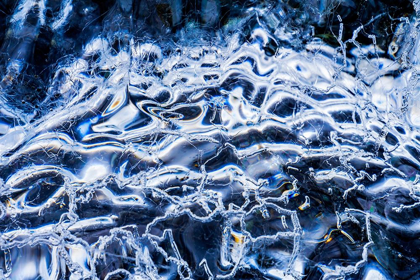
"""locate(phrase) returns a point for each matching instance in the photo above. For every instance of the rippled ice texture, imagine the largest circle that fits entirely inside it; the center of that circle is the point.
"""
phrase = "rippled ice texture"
(163, 140)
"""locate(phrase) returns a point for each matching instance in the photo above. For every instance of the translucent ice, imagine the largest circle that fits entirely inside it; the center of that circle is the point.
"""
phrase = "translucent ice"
(209, 140)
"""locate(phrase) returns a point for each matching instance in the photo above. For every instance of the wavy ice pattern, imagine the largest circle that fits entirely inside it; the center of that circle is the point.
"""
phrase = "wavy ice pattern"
(212, 159)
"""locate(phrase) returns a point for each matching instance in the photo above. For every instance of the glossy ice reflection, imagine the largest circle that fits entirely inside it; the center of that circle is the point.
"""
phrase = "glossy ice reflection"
(236, 157)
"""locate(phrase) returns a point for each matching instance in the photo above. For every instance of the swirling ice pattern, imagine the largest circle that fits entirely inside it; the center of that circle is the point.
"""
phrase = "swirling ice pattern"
(215, 162)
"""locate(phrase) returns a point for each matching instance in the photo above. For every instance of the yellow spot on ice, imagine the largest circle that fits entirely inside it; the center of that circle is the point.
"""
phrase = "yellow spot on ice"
(238, 238)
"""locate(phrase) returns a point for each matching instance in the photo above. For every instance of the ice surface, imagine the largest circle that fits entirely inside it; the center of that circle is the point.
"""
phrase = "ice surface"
(209, 139)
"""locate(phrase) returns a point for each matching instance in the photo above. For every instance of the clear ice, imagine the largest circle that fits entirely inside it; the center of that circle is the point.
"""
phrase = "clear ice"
(209, 139)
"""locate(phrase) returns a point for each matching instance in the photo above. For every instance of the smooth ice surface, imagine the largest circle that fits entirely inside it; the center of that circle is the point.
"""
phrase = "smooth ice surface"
(209, 140)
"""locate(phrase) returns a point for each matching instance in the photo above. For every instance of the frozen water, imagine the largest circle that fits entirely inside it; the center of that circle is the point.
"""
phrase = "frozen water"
(209, 140)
